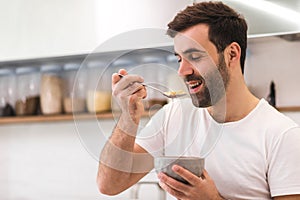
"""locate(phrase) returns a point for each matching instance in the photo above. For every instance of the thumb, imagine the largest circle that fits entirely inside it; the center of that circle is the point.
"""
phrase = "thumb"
(205, 175)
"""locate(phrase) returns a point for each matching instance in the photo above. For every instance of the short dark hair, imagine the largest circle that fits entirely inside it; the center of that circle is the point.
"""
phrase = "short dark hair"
(225, 25)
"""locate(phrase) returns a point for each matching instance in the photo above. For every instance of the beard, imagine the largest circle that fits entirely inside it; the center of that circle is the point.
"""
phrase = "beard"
(214, 84)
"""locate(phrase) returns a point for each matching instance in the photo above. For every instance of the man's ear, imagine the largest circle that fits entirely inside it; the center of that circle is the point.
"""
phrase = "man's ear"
(234, 52)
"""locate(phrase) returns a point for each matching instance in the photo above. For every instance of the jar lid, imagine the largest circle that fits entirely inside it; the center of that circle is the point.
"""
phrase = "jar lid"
(6, 71)
(25, 70)
(153, 59)
(71, 66)
(96, 63)
(51, 67)
(123, 63)
(172, 58)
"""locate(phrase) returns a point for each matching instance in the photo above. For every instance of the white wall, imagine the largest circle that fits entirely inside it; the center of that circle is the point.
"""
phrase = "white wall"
(272, 58)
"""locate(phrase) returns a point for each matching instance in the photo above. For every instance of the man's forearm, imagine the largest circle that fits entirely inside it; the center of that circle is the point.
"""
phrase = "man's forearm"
(118, 151)
(117, 158)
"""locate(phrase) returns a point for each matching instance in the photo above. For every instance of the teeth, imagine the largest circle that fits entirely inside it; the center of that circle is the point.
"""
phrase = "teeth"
(194, 84)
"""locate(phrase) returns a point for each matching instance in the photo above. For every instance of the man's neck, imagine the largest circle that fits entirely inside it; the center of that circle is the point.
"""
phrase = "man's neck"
(236, 105)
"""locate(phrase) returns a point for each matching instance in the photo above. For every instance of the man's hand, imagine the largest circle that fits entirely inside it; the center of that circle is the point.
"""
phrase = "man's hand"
(198, 187)
(128, 93)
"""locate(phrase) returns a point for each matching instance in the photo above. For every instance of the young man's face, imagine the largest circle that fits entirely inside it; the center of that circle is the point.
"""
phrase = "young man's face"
(203, 69)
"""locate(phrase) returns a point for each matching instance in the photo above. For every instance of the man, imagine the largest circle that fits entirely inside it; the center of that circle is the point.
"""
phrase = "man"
(251, 150)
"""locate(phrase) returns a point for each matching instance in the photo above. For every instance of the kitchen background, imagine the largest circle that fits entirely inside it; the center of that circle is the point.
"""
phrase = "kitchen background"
(48, 158)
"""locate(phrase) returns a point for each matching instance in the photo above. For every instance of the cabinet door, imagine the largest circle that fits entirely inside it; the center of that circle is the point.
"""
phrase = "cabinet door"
(117, 21)
(34, 28)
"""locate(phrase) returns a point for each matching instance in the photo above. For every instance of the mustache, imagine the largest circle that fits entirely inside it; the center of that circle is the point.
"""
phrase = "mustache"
(193, 77)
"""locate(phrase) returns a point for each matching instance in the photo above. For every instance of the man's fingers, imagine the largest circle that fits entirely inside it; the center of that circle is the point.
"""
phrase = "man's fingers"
(171, 191)
(205, 175)
(127, 81)
(115, 78)
(126, 85)
(172, 183)
(123, 72)
(141, 93)
(187, 175)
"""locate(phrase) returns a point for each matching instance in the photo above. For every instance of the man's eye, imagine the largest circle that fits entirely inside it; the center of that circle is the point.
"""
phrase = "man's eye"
(195, 56)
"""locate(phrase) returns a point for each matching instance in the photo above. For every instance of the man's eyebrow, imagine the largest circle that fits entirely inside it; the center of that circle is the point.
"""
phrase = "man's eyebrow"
(193, 50)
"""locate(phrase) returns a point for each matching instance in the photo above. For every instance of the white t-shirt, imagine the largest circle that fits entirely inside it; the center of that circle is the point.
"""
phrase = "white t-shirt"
(256, 157)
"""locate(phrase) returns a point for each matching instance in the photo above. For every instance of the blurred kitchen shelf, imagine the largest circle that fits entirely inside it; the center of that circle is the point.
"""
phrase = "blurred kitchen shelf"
(52, 118)
(88, 116)
(64, 117)
(289, 109)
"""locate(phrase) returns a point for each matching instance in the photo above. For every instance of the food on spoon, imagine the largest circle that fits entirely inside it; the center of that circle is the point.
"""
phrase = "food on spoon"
(175, 93)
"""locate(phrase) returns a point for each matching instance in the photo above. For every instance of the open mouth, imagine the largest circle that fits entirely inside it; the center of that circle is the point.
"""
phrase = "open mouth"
(194, 86)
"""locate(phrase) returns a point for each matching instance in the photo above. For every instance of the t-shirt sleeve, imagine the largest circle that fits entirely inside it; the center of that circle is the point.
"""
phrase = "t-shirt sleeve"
(284, 170)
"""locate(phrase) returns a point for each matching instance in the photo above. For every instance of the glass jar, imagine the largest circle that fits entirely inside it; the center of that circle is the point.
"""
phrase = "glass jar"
(7, 92)
(122, 64)
(28, 83)
(99, 87)
(74, 88)
(51, 89)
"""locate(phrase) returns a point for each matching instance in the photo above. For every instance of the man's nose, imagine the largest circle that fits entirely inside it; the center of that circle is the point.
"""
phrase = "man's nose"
(185, 68)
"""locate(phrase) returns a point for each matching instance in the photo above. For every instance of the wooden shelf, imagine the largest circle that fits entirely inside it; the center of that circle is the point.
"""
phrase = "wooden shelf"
(64, 117)
(88, 116)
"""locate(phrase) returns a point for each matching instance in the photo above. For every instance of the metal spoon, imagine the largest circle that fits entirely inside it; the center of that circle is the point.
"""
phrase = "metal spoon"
(169, 94)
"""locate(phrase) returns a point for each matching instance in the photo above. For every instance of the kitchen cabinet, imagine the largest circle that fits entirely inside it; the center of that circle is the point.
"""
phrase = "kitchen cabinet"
(37, 29)
(33, 29)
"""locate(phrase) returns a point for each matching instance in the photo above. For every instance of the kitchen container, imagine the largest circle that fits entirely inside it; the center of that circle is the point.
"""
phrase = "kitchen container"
(7, 92)
(28, 83)
(51, 89)
(99, 86)
(74, 88)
